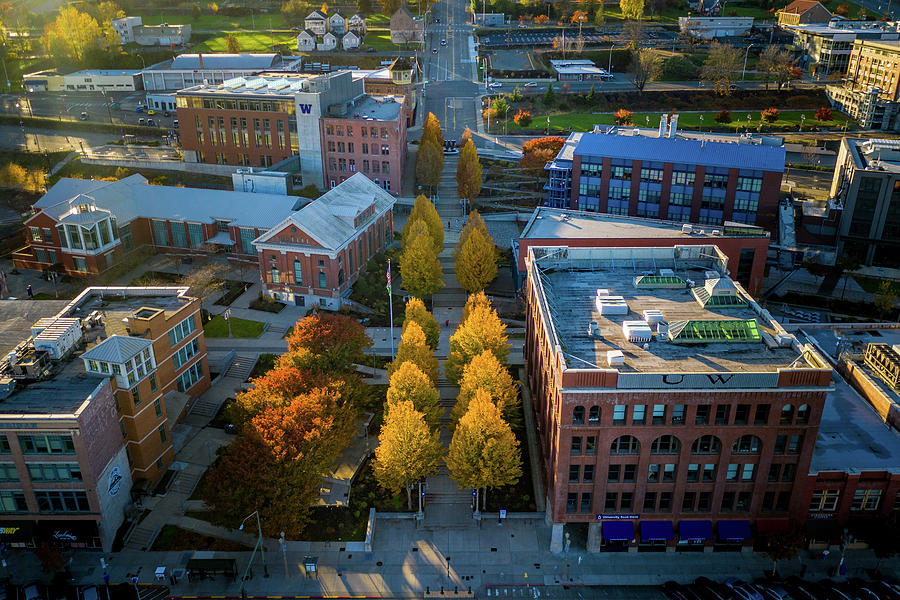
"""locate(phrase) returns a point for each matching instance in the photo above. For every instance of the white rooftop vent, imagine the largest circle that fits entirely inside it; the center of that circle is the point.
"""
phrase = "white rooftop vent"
(785, 339)
(615, 358)
(612, 305)
(720, 286)
(711, 275)
(279, 84)
(602, 292)
(256, 84)
(687, 228)
(653, 316)
(667, 273)
(592, 329)
(717, 232)
(637, 331)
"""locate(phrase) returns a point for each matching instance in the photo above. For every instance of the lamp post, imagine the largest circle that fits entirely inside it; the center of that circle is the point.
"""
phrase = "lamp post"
(505, 120)
(802, 119)
(701, 123)
(284, 555)
(259, 544)
(746, 54)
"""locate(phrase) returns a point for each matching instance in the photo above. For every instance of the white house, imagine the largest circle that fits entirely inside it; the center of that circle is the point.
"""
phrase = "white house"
(357, 24)
(316, 22)
(350, 41)
(306, 41)
(124, 27)
(329, 42)
(337, 24)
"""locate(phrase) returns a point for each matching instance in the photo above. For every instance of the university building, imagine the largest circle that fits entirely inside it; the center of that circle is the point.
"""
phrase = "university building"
(674, 413)
(869, 92)
(669, 174)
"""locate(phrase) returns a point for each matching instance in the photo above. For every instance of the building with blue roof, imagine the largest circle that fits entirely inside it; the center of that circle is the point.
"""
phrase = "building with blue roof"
(669, 174)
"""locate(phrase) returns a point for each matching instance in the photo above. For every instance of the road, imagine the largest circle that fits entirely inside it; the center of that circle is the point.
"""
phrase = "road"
(70, 105)
(47, 140)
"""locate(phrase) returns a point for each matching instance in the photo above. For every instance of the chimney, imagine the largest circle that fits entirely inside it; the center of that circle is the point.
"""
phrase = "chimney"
(673, 125)
(662, 126)
(200, 55)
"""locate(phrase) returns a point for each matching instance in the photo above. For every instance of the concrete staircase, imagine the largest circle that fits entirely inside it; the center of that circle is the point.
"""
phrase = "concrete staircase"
(241, 366)
(205, 407)
(186, 480)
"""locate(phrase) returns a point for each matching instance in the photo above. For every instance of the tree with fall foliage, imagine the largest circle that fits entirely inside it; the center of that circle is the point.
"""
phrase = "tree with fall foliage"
(472, 223)
(770, 115)
(478, 299)
(522, 118)
(775, 64)
(432, 132)
(485, 372)
(429, 163)
(72, 35)
(632, 9)
(481, 330)
(720, 67)
(414, 348)
(824, 115)
(408, 449)
(339, 340)
(418, 314)
(623, 116)
(476, 261)
(646, 64)
(538, 152)
(232, 44)
(468, 172)
(424, 210)
(483, 453)
(419, 267)
(409, 383)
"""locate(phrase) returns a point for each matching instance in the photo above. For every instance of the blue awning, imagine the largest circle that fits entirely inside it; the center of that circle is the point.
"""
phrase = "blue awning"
(734, 531)
(656, 530)
(618, 531)
(694, 530)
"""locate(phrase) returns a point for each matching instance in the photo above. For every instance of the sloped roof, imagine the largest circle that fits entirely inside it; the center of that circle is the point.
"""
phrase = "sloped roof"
(117, 349)
(800, 6)
(308, 33)
(329, 219)
(225, 61)
(133, 197)
(336, 14)
(357, 16)
(316, 15)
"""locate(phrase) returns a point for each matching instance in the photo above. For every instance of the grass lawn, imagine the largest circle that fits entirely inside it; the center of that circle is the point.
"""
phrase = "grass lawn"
(787, 119)
(172, 537)
(250, 41)
(854, 8)
(218, 22)
(240, 328)
(31, 160)
(264, 364)
(379, 19)
(380, 39)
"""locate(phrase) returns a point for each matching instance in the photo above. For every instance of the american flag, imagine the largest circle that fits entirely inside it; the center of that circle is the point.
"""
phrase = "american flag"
(389, 277)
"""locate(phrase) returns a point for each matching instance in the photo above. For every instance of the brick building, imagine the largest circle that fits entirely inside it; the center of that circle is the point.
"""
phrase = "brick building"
(803, 12)
(89, 226)
(314, 256)
(673, 412)
(669, 174)
(89, 401)
(367, 136)
(746, 246)
(394, 80)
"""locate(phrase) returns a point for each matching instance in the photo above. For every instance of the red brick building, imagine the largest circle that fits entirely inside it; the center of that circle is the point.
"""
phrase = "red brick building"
(314, 256)
(89, 226)
(745, 246)
(368, 137)
(673, 412)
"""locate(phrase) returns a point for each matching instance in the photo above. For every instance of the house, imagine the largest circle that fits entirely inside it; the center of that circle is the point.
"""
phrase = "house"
(132, 30)
(803, 12)
(306, 41)
(578, 70)
(316, 22)
(710, 28)
(350, 41)
(357, 24)
(329, 42)
(337, 24)
(405, 28)
(314, 256)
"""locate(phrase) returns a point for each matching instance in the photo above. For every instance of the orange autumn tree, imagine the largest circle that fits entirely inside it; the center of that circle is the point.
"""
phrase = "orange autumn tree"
(339, 340)
(538, 152)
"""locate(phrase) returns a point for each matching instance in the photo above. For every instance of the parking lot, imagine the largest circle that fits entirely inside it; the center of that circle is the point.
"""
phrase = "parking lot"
(518, 38)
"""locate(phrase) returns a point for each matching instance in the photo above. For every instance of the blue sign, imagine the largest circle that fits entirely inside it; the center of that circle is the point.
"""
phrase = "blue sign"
(618, 517)
(305, 108)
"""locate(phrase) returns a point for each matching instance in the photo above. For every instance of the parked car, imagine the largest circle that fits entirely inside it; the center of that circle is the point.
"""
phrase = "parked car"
(370, 49)
(139, 109)
(833, 592)
(710, 590)
(772, 590)
(83, 116)
(521, 25)
(676, 591)
(531, 84)
(867, 590)
(151, 123)
(495, 84)
(443, 42)
(434, 50)
(151, 112)
(142, 121)
(167, 114)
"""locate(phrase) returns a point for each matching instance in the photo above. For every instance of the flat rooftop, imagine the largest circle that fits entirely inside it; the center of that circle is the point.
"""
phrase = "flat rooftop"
(375, 108)
(570, 278)
(108, 72)
(556, 223)
(62, 394)
(875, 154)
(281, 85)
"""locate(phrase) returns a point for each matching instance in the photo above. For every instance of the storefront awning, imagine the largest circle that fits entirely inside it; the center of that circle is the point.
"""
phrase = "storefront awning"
(734, 531)
(694, 530)
(618, 531)
(656, 530)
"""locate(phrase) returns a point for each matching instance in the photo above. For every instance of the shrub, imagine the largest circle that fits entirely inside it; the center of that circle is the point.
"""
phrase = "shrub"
(623, 116)
(489, 113)
(723, 117)
(522, 118)
(824, 114)
(842, 10)
(770, 115)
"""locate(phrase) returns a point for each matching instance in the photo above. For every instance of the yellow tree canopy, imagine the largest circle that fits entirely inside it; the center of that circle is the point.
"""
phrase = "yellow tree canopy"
(409, 383)
(485, 373)
(414, 348)
(419, 267)
(476, 261)
(417, 313)
(481, 331)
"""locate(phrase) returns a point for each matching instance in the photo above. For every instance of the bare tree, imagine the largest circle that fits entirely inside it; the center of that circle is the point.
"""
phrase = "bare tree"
(206, 280)
(774, 63)
(720, 67)
(647, 66)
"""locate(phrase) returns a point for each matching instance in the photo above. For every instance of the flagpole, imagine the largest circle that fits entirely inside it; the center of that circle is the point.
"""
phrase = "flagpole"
(390, 308)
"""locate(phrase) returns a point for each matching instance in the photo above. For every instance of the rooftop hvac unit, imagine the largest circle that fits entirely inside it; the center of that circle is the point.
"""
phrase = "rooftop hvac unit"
(717, 232)
(667, 273)
(602, 292)
(711, 275)
(7, 386)
(687, 228)
(662, 331)
(615, 358)
(637, 331)
(57, 336)
(653, 316)
(612, 305)
(592, 329)
(784, 339)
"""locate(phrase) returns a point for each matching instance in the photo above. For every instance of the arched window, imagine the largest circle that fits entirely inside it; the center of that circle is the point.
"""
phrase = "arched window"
(707, 444)
(803, 414)
(665, 444)
(341, 277)
(747, 444)
(625, 444)
(594, 415)
(787, 414)
(578, 415)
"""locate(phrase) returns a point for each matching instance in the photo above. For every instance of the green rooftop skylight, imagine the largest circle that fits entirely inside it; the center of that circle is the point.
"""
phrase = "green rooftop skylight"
(659, 281)
(708, 332)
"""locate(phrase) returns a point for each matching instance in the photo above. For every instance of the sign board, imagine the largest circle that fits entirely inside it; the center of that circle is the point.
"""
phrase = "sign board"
(616, 517)
(114, 481)
(692, 381)
(502, 513)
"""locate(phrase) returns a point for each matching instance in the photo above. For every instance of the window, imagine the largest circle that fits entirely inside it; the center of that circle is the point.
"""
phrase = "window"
(653, 474)
(594, 415)
(795, 444)
(774, 472)
(191, 375)
(665, 501)
(572, 502)
(54, 471)
(787, 414)
(298, 271)
(665, 444)
(162, 434)
(702, 417)
(613, 473)
(704, 502)
(8, 472)
(742, 414)
(688, 501)
(743, 501)
(323, 280)
(136, 396)
(784, 499)
(574, 473)
(157, 407)
(659, 414)
(747, 472)
(746, 444)
(867, 500)
(732, 473)
(722, 413)
(35, 233)
(153, 385)
(678, 414)
(590, 445)
(803, 414)
(47, 444)
(12, 501)
(80, 264)
(576, 446)
(788, 473)
(780, 444)
(707, 444)
(586, 501)
(612, 500)
(588, 474)
(762, 414)
(629, 475)
(638, 414)
(182, 330)
(824, 500)
(619, 414)
(62, 501)
(650, 502)
(668, 473)
(728, 502)
(625, 444)
(627, 501)
(186, 353)
(693, 473)
(768, 502)
(578, 415)
(709, 472)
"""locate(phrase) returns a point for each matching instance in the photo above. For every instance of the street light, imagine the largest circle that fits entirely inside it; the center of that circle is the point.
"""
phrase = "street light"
(505, 121)
(259, 544)
(746, 54)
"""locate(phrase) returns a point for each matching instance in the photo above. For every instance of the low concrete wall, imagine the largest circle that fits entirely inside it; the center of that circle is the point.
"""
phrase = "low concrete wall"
(164, 165)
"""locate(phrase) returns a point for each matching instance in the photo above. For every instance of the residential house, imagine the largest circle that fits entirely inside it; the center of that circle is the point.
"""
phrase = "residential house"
(306, 41)
(316, 22)
(357, 24)
(405, 28)
(337, 24)
(350, 41)
(803, 12)
(329, 42)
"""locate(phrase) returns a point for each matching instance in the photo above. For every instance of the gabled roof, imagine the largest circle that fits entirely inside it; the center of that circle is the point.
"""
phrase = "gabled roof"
(801, 6)
(117, 349)
(308, 33)
(336, 14)
(349, 33)
(329, 219)
(315, 15)
(357, 17)
(329, 33)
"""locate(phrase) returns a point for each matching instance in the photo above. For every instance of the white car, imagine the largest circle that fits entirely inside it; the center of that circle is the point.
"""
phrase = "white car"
(531, 84)
(495, 84)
